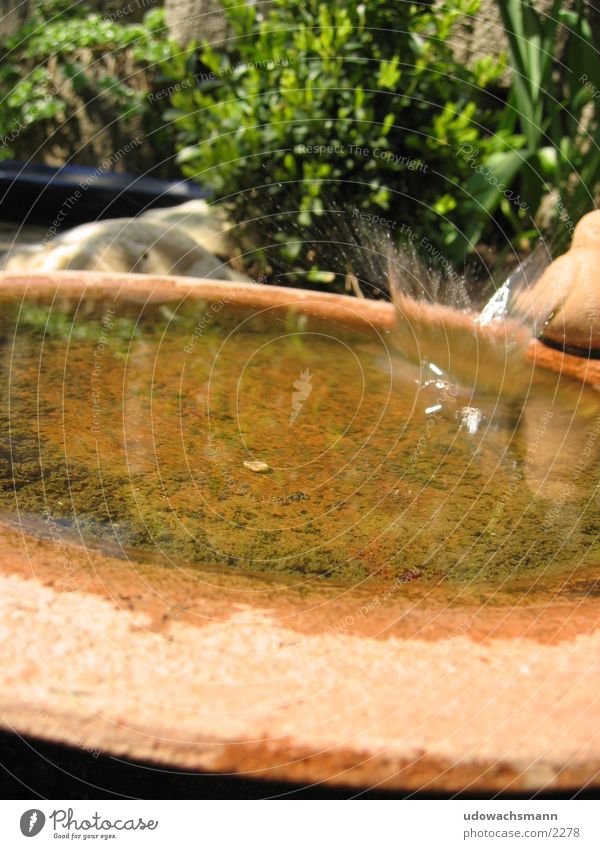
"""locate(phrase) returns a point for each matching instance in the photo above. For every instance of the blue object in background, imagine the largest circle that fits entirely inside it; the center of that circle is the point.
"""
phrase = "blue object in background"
(33, 194)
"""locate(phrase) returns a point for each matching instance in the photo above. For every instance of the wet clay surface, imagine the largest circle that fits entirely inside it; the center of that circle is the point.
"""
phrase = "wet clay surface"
(546, 612)
(200, 435)
(430, 623)
(461, 698)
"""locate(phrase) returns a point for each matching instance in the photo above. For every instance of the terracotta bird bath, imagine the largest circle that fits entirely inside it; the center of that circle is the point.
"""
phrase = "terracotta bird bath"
(163, 601)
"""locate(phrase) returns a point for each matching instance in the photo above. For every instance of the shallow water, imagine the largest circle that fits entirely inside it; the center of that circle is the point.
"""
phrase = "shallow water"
(128, 427)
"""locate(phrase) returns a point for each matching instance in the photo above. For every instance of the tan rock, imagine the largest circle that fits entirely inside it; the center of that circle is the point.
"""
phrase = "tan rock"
(564, 304)
(587, 232)
(256, 465)
(206, 224)
(139, 245)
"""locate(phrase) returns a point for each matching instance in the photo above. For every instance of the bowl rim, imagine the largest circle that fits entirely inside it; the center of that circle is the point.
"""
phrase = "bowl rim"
(363, 313)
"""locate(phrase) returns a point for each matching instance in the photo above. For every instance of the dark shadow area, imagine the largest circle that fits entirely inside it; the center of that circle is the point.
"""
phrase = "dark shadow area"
(34, 769)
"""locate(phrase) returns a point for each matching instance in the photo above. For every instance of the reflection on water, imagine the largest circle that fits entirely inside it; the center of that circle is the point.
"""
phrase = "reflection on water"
(130, 427)
(479, 347)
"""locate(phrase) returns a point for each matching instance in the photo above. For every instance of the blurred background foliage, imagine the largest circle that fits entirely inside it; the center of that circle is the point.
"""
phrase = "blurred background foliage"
(344, 78)
(76, 87)
(309, 111)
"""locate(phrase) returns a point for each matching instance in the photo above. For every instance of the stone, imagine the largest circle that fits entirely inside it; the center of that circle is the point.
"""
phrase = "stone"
(587, 232)
(564, 304)
(256, 465)
(144, 245)
(205, 223)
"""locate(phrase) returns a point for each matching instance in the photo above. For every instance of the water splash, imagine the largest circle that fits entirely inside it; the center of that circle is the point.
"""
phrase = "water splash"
(466, 337)
(480, 351)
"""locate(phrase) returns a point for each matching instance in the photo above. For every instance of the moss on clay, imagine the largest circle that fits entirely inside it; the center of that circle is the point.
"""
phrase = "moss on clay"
(129, 426)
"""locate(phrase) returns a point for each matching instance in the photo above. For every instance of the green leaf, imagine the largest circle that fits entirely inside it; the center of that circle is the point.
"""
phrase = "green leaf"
(316, 276)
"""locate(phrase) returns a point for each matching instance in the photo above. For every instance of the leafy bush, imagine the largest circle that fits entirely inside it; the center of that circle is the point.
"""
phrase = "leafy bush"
(74, 79)
(554, 107)
(373, 88)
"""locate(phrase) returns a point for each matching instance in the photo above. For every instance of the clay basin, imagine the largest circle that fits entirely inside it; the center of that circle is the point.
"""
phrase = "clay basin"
(239, 536)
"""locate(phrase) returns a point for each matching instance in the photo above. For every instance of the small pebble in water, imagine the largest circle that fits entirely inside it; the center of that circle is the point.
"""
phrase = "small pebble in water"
(256, 465)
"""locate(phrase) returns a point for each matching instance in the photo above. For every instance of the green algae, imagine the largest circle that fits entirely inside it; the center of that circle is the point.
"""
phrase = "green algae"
(127, 426)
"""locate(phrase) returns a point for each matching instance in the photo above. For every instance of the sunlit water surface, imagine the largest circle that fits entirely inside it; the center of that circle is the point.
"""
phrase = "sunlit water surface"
(128, 427)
